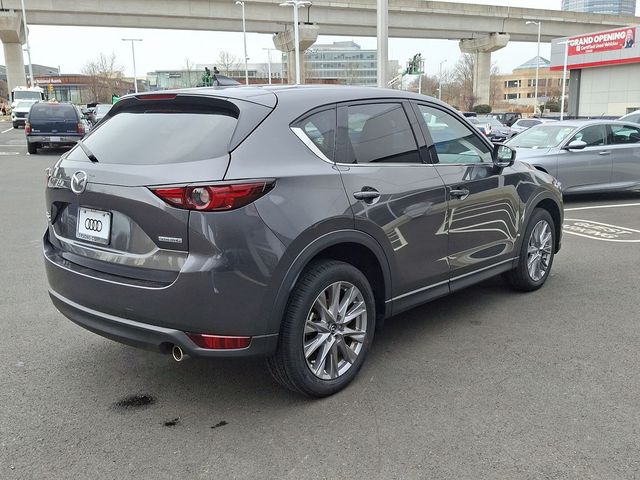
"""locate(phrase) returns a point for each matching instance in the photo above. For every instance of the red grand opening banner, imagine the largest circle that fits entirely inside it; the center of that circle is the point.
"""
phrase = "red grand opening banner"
(603, 41)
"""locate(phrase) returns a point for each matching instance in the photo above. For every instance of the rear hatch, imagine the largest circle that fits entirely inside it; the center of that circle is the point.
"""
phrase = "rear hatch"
(104, 215)
(53, 118)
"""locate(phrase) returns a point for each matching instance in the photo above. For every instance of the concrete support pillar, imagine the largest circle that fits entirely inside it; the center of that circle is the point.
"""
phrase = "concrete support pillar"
(15, 65)
(481, 48)
(12, 37)
(284, 41)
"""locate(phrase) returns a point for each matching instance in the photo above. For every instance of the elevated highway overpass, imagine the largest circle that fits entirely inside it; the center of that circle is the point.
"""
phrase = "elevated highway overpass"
(407, 19)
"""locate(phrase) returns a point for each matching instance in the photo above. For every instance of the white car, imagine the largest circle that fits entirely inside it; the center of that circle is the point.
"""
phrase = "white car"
(525, 123)
(20, 112)
(631, 117)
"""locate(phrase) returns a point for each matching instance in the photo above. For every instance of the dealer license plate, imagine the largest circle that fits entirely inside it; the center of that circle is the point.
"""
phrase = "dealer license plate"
(93, 225)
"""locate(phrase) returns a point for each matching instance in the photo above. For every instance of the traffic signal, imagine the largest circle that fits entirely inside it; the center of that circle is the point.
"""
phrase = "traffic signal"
(50, 88)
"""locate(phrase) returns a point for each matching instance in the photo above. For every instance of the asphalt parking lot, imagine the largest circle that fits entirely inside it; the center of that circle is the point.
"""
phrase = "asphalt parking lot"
(483, 384)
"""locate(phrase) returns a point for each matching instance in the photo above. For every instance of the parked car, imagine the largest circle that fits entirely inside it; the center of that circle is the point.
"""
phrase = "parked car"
(631, 117)
(482, 126)
(498, 132)
(585, 156)
(20, 112)
(507, 118)
(99, 112)
(54, 124)
(285, 222)
(525, 123)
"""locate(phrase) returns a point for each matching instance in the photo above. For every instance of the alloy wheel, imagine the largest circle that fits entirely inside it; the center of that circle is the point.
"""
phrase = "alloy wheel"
(539, 250)
(335, 330)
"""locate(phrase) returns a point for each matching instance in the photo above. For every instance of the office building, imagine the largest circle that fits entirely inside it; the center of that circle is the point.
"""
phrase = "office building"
(614, 7)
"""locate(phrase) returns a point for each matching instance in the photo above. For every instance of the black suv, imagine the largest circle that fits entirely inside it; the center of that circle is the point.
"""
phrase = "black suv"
(286, 222)
(54, 124)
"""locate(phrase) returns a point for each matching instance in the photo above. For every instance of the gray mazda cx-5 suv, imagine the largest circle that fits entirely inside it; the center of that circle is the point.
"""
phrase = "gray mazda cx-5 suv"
(285, 222)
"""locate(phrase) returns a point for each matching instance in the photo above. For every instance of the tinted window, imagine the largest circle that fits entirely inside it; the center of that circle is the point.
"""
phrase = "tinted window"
(53, 113)
(454, 141)
(593, 136)
(621, 134)
(528, 123)
(320, 127)
(379, 132)
(157, 137)
(541, 136)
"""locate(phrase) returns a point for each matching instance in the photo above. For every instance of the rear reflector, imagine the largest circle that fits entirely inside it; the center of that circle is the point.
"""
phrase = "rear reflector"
(213, 198)
(218, 342)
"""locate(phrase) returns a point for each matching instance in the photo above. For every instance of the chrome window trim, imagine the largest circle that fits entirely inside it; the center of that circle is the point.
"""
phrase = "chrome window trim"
(300, 133)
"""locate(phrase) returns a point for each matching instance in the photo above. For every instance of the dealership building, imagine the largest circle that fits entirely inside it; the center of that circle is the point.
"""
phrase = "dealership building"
(604, 71)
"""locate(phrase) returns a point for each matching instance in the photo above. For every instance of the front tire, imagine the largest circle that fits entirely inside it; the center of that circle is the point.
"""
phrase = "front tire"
(536, 253)
(327, 330)
(32, 148)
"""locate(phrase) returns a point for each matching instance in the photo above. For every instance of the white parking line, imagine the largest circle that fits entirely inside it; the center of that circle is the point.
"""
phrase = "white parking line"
(7, 130)
(603, 206)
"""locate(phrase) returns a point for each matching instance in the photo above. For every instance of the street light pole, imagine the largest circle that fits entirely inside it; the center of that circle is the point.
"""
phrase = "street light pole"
(537, 61)
(269, 61)
(26, 34)
(244, 34)
(440, 80)
(564, 77)
(296, 34)
(133, 55)
(382, 29)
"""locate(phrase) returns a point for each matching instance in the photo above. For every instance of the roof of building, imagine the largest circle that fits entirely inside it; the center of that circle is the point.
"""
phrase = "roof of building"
(533, 62)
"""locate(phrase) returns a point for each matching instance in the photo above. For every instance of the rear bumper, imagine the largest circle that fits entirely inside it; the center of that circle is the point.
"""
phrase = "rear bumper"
(53, 139)
(151, 337)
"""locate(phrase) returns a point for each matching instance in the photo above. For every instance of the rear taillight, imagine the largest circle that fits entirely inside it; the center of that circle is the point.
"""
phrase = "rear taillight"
(219, 342)
(27, 128)
(80, 128)
(213, 197)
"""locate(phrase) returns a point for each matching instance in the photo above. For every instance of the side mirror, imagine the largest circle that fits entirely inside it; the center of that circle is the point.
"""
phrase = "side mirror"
(503, 156)
(576, 145)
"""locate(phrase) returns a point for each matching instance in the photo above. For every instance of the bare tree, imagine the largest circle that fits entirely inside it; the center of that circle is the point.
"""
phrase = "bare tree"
(227, 62)
(495, 86)
(463, 76)
(105, 77)
(189, 67)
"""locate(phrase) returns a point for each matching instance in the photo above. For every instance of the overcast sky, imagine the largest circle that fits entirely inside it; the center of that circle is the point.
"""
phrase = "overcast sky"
(71, 47)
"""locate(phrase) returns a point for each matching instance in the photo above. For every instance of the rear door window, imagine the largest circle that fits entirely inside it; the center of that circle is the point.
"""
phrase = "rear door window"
(623, 134)
(169, 133)
(378, 133)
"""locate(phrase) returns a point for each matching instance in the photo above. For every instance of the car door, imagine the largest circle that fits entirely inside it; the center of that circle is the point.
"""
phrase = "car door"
(483, 205)
(395, 197)
(588, 168)
(624, 142)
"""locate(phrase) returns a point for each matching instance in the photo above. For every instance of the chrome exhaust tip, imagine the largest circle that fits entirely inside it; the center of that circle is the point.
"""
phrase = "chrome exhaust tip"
(177, 353)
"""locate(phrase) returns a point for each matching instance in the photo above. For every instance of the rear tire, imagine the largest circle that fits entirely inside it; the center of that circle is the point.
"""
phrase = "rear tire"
(327, 330)
(536, 253)
(32, 148)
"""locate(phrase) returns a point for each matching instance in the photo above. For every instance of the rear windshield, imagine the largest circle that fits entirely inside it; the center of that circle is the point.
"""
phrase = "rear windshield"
(53, 113)
(528, 123)
(153, 137)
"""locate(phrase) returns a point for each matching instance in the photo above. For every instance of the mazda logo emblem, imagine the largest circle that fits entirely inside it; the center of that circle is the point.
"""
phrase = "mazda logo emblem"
(78, 182)
(93, 225)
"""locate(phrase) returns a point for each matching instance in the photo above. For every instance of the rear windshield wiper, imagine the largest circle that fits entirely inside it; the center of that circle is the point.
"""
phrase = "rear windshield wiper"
(87, 152)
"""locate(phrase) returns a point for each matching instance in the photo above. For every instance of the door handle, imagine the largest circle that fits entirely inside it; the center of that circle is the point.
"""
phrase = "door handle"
(366, 195)
(459, 193)
(605, 152)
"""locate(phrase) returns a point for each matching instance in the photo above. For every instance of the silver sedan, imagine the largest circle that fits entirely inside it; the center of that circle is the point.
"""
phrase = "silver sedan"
(585, 156)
